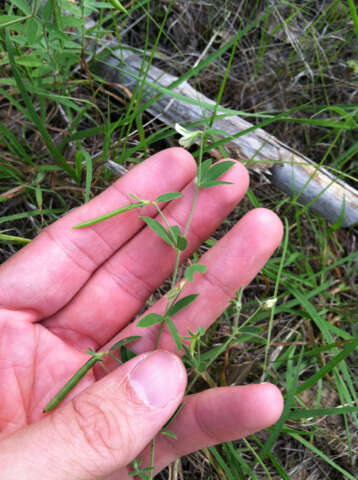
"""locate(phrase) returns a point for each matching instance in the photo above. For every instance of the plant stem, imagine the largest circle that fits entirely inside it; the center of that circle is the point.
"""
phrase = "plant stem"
(197, 186)
(159, 333)
(177, 260)
(222, 349)
(152, 459)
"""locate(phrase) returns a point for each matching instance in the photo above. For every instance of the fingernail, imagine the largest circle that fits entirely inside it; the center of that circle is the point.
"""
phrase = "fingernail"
(158, 379)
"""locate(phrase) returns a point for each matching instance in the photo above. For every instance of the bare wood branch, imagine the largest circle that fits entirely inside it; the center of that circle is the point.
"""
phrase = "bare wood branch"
(292, 172)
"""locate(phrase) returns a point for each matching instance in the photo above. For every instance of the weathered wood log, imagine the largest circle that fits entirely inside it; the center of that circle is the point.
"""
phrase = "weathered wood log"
(290, 171)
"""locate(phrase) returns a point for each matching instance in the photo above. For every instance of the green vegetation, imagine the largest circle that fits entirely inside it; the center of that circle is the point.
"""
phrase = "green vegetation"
(65, 133)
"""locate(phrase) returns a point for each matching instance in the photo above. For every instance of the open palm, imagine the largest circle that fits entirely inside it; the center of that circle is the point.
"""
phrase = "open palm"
(70, 290)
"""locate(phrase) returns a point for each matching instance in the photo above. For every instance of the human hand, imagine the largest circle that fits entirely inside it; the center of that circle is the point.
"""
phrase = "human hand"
(70, 290)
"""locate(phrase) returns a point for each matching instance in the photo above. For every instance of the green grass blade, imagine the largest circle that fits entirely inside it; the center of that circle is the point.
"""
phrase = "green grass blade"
(347, 350)
(32, 213)
(328, 460)
(353, 9)
(89, 172)
(321, 412)
(16, 145)
(32, 114)
(292, 378)
(13, 239)
(221, 462)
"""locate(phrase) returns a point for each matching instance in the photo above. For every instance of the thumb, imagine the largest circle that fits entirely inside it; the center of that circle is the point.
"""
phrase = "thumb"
(103, 428)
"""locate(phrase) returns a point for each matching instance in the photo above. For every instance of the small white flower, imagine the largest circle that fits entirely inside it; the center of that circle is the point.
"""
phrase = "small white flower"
(187, 136)
(269, 303)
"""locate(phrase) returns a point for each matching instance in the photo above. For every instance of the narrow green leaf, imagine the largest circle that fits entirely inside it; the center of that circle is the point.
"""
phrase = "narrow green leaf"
(42, 72)
(321, 412)
(316, 451)
(175, 231)
(150, 319)
(15, 144)
(292, 376)
(275, 463)
(213, 183)
(47, 10)
(6, 20)
(32, 30)
(221, 462)
(159, 230)
(168, 434)
(347, 350)
(29, 61)
(181, 243)
(174, 331)
(78, 164)
(124, 341)
(31, 112)
(38, 195)
(182, 303)
(32, 213)
(70, 385)
(134, 197)
(72, 22)
(13, 239)
(238, 464)
(22, 5)
(108, 215)
(89, 171)
(167, 197)
(127, 354)
(217, 170)
(205, 166)
(190, 271)
(118, 6)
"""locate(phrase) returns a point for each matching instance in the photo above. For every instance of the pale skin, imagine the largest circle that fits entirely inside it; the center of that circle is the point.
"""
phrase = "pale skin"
(70, 290)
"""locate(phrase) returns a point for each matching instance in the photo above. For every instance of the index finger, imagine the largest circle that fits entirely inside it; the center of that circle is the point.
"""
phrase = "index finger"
(44, 276)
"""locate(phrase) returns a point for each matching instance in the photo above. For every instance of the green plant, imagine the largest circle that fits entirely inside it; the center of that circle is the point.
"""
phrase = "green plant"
(289, 76)
(207, 176)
